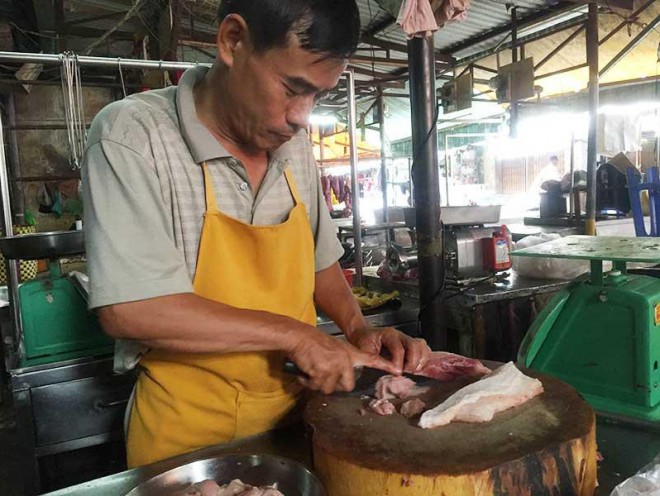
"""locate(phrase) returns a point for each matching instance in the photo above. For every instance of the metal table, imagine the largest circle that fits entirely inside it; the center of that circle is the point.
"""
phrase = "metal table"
(625, 448)
(470, 307)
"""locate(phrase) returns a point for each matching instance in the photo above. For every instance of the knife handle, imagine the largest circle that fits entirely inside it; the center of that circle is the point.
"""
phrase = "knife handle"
(293, 369)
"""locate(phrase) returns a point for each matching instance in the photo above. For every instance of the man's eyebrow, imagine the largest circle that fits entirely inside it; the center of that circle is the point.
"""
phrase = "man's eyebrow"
(303, 84)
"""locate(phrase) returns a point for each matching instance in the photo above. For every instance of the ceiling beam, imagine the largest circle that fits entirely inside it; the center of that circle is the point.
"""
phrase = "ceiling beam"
(631, 45)
(397, 47)
(85, 20)
(544, 33)
(525, 22)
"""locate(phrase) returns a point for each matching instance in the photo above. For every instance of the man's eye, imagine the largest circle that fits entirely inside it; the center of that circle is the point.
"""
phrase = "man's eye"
(289, 92)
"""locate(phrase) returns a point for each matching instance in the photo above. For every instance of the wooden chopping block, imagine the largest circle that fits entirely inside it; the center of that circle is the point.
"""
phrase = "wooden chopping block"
(546, 446)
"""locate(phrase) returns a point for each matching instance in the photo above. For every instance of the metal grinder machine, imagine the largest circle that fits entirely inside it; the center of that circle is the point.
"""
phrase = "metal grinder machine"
(601, 334)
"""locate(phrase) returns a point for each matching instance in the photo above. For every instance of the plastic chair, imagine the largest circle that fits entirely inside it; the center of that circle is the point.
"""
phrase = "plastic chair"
(650, 183)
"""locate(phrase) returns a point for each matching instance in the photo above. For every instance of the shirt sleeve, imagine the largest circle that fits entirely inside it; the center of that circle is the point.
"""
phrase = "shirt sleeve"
(131, 253)
(327, 249)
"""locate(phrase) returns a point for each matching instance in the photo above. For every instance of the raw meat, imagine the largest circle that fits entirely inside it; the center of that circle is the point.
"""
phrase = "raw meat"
(389, 387)
(412, 408)
(444, 366)
(234, 488)
(505, 388)
(204, 488)
(382, 407)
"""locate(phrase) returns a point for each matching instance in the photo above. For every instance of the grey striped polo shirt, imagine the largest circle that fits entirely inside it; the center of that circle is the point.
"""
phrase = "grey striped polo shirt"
(143, 191)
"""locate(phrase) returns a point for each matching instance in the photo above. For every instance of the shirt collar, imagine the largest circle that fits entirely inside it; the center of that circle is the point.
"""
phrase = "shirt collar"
(201, 143)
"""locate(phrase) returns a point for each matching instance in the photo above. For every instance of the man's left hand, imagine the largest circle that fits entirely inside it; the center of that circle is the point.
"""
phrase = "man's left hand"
(408, 354)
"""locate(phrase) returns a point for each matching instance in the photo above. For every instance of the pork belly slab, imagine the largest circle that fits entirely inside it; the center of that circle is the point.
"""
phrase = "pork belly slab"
(445, 366)
(504, 388)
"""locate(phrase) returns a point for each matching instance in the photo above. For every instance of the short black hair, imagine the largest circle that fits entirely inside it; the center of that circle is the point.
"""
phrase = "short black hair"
(554, 158)
(330, 27)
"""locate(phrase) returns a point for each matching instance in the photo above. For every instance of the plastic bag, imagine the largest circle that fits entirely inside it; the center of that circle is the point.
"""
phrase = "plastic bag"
(646, 482)
(546, 268)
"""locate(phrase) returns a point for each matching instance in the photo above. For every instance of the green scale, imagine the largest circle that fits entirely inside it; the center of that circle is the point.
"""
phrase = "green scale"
(601, 334)
(55, 323)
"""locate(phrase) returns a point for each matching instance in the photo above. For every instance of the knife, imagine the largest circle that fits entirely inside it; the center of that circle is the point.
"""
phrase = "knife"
(293, 369)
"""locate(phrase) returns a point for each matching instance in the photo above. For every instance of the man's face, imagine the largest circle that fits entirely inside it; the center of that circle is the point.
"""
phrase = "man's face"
(274, 92)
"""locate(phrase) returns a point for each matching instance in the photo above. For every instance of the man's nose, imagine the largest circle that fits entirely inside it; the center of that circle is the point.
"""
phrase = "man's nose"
(299, 112)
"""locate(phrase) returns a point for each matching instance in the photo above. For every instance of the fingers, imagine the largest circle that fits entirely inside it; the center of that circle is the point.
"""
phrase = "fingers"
(327, 363)
(417, 354)
(392, 339)
(376, 362)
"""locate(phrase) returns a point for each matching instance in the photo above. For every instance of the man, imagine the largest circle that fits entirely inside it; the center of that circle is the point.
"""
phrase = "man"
(208, 242)
(548, 173)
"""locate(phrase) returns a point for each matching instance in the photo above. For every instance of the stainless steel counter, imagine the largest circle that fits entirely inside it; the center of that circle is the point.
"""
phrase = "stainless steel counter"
(625, 449)
(514, 286)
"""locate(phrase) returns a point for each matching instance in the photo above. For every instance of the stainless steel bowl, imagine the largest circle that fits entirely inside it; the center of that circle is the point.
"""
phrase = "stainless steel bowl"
(43, 245)
(258, 470)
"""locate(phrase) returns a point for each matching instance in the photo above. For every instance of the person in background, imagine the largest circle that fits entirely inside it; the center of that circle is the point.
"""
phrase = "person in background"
(209, 244)
(548, 173)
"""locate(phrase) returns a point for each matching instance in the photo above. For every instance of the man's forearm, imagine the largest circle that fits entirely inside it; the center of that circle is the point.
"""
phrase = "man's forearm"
(191, 324)
(333, 296)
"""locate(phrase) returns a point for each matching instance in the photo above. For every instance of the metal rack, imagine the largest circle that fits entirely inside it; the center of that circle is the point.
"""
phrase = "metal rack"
(107, 62)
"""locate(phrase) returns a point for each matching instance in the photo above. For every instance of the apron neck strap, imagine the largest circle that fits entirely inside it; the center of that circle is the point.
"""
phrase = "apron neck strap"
(212, 203)
(209, 193)
(292, 185)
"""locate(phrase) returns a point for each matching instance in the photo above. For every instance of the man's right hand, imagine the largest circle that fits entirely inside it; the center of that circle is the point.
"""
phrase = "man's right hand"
(330, 362)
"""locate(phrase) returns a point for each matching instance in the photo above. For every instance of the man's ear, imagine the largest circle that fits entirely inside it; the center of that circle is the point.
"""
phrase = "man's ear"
(233, 33)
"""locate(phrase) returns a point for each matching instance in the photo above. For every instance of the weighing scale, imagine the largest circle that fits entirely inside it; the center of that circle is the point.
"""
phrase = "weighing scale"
(601, 334)
(55, 322)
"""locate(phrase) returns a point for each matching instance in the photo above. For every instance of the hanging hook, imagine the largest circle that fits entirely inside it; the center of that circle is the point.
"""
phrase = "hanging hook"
(121, 76)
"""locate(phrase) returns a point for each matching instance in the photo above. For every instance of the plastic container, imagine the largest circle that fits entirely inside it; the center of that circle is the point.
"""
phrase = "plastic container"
(497, 250)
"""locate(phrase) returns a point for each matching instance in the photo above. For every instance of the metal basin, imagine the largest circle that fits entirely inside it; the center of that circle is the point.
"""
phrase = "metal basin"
(43, 245)
(292, 478)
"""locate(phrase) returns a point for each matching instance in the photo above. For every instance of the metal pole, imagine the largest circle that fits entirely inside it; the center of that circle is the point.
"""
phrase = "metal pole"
(355, 186)
(513, 124)
(571, 199)
(12, 265)
(447, 169)
(383, 162)
(425, 173)
(84, 60)
(514, 34)
(592, 60)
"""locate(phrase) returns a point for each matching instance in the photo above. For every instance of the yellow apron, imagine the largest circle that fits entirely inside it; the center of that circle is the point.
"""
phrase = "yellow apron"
(187, 401)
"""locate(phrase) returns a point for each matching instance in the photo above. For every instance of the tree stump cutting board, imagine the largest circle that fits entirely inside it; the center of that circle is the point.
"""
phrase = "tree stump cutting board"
(545, 447)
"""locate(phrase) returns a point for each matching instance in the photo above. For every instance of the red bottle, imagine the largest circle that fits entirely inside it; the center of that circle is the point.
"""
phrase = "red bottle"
(497, 250)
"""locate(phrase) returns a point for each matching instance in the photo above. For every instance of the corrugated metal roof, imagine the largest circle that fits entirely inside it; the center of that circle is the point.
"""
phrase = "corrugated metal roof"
(483, 16)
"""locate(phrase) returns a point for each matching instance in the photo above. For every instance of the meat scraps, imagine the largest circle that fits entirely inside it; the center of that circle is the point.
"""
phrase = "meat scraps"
(389, 387)
(234, 488)
(412, 408)
(505, 388)
(382, 407)
(444, 366)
